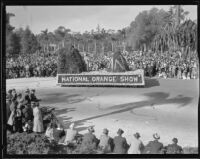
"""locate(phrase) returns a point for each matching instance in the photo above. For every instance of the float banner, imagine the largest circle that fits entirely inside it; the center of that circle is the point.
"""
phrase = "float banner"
(101, 79)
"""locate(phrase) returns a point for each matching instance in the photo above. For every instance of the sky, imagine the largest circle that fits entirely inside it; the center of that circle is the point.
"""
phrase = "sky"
(82, 18)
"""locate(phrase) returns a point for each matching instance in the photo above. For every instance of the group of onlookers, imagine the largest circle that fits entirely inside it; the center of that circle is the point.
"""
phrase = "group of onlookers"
(107, 144)
(164, 65)
(23, 113)
(154, 64)
(31, 65)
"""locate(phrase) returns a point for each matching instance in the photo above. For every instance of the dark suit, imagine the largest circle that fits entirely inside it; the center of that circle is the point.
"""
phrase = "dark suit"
(27, 113)
(89, 139)
(120, 145)
(33, 97)
(26, 99)
(153, 147)
(174, 149)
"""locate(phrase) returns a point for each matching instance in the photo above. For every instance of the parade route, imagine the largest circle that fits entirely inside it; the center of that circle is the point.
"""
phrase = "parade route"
(166, 106)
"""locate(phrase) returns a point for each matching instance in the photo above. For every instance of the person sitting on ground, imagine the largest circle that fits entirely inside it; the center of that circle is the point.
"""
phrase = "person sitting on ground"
(49, 132)
(105, 142)
(120, 144)
(70, 135)
(136, 145)
(174, 148)
(58, 132)
(89, 139)
(154, 147)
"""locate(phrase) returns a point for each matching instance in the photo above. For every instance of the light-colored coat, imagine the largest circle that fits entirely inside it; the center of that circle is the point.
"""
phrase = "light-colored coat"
(11, 118)
(38, 121)
(136, 146)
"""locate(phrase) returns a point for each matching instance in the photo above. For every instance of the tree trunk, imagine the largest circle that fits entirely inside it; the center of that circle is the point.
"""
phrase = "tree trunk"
(95, 47)
(88, 48)
(102, 48)
(112, 46)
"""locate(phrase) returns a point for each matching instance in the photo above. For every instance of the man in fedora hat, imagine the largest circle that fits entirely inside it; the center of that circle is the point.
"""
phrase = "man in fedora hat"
(154, 147)
(120, 144)
(174, 148)
(105, 142)
(136, 145)
(89, 139)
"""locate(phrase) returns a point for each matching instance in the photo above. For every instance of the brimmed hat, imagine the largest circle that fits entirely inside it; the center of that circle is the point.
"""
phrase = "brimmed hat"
(175, 140)
(91, 129)
(137, 135)
(105, 131)
(156, 136)
(120, 131)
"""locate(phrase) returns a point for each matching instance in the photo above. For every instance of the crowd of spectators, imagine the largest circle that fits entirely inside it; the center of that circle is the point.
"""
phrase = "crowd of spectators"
(31, 65)
(25, 115)
(154, 64)
(161, 65)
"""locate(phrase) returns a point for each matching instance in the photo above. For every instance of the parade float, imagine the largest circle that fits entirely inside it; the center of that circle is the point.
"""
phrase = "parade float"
(72, 71)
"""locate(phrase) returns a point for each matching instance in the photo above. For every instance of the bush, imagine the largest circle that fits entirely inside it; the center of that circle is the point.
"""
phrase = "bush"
(23, 143)
(190, 150)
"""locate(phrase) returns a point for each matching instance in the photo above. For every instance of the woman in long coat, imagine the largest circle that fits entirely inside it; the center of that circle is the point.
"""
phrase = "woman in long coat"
(38, 121)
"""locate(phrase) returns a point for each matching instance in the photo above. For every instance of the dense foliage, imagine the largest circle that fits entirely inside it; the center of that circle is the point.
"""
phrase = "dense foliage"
(149, 30)
(23, 143)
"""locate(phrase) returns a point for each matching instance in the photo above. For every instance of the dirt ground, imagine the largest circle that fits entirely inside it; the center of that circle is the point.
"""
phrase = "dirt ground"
(166, 106)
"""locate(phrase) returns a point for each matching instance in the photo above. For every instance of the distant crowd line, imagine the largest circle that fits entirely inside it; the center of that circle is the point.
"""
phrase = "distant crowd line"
(154, 64)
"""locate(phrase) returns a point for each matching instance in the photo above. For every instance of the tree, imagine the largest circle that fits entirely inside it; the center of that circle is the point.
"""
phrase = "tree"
(13, 44)
(29, 42)
(9, 28)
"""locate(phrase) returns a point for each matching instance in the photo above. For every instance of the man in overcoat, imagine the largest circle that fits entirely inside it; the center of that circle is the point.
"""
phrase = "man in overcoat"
(120, 144)
(154, 147)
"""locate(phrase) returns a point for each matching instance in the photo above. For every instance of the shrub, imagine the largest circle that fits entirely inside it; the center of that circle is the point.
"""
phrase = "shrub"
(190, 150)
(23, 143)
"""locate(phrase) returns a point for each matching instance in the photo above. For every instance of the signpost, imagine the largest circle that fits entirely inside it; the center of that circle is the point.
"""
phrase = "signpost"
(130, 78)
